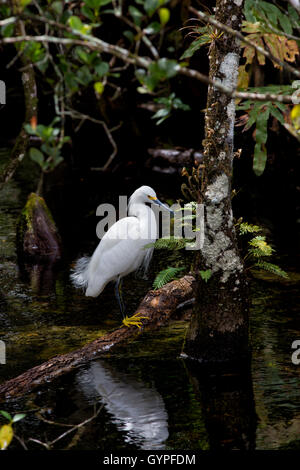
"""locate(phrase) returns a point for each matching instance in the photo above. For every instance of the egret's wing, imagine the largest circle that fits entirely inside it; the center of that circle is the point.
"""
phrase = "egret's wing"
(119, 252)
(123, 229)
(120, 236)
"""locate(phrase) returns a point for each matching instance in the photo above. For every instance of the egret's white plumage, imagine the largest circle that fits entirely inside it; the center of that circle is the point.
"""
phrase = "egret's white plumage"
(122, 249)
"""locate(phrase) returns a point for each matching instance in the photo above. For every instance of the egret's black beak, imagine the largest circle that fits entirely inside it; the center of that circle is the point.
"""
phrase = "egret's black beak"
(159, 203)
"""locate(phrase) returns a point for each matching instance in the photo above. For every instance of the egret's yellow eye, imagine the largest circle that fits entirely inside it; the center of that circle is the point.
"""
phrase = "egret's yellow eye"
(152, 198)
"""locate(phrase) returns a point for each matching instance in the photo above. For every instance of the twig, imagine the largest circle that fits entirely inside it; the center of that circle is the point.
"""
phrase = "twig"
(142, 34)
(21, 441)
(7, 21)
(145, 63)
(125, 55)
(77, 115)
(75, 427)
(239, 94)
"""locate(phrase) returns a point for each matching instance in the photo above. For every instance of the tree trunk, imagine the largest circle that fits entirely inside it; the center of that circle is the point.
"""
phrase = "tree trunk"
(30, 103)
(37, 236)
(219, 328)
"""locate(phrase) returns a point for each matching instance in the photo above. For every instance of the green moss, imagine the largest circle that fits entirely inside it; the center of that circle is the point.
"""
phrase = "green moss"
(26, 219)
(28, 212)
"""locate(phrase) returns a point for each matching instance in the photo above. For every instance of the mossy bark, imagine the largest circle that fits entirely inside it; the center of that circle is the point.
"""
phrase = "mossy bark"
(219, 326)
(37, 235)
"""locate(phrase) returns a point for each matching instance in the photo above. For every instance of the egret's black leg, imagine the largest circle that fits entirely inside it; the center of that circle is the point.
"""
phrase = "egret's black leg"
(118, 292)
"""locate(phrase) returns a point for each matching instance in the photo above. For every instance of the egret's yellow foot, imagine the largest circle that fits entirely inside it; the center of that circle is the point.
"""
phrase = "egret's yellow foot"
(135, 320)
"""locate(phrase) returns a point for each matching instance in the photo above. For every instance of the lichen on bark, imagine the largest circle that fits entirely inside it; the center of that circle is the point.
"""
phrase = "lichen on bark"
(219, 326)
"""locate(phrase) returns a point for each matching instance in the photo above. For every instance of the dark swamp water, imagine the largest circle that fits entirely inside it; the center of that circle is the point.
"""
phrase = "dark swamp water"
(147, 397)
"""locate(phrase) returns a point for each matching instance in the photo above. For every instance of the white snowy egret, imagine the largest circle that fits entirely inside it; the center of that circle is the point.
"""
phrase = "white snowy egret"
(121, 250)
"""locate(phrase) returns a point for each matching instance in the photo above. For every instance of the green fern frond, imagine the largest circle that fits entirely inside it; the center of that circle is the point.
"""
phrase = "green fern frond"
(272, 268)
(259, 247)
(205, 275)
(165, 276)
(169, 243)
(244, 228)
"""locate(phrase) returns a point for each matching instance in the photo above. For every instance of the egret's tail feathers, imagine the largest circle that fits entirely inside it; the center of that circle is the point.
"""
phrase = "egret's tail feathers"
(79, 276)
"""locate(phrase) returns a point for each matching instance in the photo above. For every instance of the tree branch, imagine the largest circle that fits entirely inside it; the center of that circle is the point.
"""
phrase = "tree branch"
(85, 117)
(126, 56)
(237, 34)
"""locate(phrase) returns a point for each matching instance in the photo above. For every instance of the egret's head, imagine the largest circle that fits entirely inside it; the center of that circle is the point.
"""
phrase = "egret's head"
(146, 194)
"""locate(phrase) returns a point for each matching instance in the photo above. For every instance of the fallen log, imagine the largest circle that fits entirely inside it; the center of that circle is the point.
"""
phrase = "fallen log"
(177, 157)
(172, 161)
(157, 307)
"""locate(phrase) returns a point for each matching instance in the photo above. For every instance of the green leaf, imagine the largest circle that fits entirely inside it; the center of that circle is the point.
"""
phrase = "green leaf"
(161, 115)
(102, 69)
(195, 46)
(153, 28)
(272, 268)
(277, 114)
(57, 6)
(150, 6)
(96, 4)
(164, 68)
(293, 14)
(259, 159)
(18, 417)
(129, 35)
(170, 243)
(75, 23)
(248, 6)
(285, 24)
(6, 415)
(99, 87)
(136, 14)
(8, 30)
(84, 76)
(262, 126)
(259, 247)
(253, 113)
(82, 55)
(244, 227)
(164, 15)
(205, 275)
(37, 156)
(88, 13)
(24, 3)
(165, 276)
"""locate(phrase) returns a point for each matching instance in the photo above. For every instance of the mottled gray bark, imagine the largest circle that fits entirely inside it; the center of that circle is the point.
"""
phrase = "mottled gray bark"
(219, 326)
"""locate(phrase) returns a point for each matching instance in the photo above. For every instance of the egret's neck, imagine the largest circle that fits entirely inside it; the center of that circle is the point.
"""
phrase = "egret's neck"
(138, 209)
(146, 217)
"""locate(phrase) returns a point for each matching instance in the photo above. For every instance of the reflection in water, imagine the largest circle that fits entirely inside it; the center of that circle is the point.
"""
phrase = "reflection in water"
(41, 276)
(228, 405)
(136, 409)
